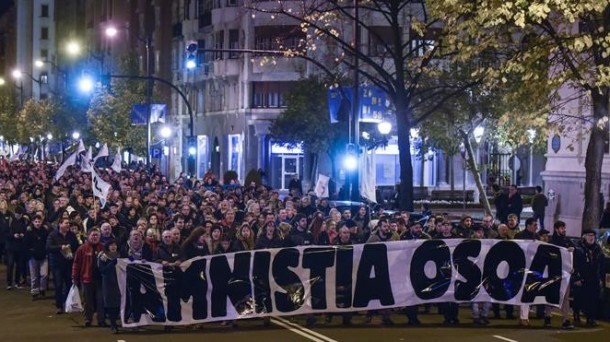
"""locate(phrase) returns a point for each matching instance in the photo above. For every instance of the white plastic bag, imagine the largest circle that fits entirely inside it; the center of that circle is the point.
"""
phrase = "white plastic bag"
(73, 302)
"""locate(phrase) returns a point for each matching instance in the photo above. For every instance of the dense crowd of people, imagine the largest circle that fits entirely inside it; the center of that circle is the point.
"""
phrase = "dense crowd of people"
(59, 226)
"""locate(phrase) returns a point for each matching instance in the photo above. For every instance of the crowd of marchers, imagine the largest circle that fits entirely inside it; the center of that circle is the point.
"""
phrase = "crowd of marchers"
(58, 229)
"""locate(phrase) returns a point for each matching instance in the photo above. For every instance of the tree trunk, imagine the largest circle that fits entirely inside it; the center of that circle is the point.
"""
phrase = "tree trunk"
(406, 167)
(476, 173)
(594, 161)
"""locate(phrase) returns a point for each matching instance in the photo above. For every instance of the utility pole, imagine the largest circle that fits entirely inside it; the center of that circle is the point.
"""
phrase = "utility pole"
(149, 88)
(355, 117)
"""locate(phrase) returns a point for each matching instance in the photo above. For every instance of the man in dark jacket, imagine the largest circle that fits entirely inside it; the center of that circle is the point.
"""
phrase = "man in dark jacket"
(61, 244)
(35, 244)
(515, 202)
(168, 254)
(588, 268)
(6, 218)
(539, 204)
(344, 289)
(299, 236)
(501, 202)
(16, 256)
(559, 239)
(529, 233)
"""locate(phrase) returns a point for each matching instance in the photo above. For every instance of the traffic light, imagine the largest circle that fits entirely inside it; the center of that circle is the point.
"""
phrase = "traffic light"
(191, 54)
(191, 146)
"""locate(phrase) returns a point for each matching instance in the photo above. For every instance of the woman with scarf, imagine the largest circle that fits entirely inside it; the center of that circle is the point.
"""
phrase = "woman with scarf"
(111, 295)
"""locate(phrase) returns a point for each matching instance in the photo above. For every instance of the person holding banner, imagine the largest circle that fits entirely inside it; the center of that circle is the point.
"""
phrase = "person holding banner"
(195, 245)
(559, 239)
(381, 233)
(416, 232)
(168, 254)
(450, 310)
(588, 274)
(529, 233)
(270, 238)
(344, 291)
(480, 310)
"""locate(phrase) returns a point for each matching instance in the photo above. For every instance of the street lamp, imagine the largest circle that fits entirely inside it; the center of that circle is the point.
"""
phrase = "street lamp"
(111, 31)
(73, 48)
(384, 127)
(478, 133)
(86, 84)
(18, 75)
(531, 135)
(165, 132)
(75, 135)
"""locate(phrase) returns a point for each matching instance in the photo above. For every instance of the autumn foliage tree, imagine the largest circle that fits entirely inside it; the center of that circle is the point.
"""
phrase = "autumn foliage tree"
(562, 45)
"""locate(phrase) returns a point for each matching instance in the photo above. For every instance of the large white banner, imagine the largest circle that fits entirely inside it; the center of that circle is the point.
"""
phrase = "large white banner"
(317, 279)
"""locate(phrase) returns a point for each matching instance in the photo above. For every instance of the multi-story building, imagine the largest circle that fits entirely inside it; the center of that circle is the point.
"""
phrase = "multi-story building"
(28, 34)
(234, 93)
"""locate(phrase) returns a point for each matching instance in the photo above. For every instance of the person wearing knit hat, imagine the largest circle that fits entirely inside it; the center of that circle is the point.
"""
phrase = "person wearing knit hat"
(587, 276)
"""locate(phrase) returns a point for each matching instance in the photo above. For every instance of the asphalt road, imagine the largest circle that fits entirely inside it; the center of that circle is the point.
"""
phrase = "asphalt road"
(22, 319)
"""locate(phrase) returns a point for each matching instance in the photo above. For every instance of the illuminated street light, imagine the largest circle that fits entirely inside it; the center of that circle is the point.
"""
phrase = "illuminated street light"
(384, 127)
(38, 63)
(190, 63)
(192, 151)
(350, 162)
(165, 132)
(2, 81)
(73, 48)
(85, 84)
(49, 136)
(414, 132)
(531, 136)
(478, 133)
(17, 74)
(111, 31)
(75, 135)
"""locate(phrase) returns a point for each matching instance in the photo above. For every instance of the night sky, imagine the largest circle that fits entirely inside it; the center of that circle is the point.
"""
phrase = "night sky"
(5, 5)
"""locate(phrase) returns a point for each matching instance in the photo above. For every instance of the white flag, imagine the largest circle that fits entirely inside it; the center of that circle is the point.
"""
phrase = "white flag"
(86, 164)
(102, 153)
(116, 164)
(100, 188)
(81, 146)
(71, 160)
(17, 155)
(321, 189)
(368, 176)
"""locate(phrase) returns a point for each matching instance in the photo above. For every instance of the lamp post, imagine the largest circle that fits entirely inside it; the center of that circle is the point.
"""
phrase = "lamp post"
(354, 117)
(531, 135)
(166, 132)
(18, 76)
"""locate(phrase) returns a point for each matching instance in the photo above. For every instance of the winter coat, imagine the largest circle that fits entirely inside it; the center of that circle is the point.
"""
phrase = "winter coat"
(298, 238)
(84, 268)
(54, 242)
(110, 285)
(36, 242)
(194, 250)
(262, 242)
(18, 226)
(588, 264)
